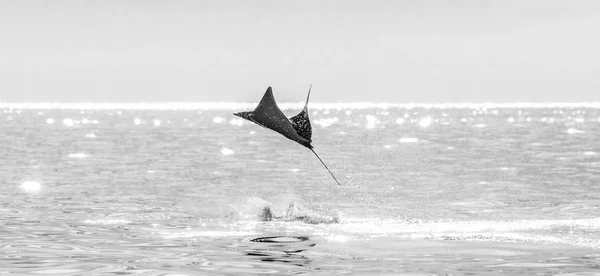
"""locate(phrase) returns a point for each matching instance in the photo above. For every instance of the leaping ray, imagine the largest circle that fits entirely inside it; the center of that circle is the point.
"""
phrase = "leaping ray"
(267, 114)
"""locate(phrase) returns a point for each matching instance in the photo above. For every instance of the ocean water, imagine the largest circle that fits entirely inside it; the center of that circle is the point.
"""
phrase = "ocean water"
(426, 190)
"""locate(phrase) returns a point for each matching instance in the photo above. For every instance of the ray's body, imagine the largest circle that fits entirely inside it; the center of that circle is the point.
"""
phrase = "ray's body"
(296, 128)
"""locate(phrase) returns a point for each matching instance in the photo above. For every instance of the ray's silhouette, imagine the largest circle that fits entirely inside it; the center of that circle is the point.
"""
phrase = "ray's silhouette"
(297, 128)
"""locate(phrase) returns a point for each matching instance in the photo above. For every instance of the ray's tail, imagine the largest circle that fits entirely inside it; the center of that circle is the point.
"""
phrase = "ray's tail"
(308, 97)
(313, 151)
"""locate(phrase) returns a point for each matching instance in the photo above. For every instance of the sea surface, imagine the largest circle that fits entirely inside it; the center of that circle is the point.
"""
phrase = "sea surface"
(426, 190)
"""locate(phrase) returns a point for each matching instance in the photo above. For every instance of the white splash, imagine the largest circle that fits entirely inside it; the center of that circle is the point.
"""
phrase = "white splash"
(425, 122)
(218, 120)
(348, 112)
(50, 121)
(31, 186)
(137, 121)
(510, 120)
(226, 151)
(337, 238)
(252, 132)
(157, 122)
(212, 234)
(400, 121)
(579, 120)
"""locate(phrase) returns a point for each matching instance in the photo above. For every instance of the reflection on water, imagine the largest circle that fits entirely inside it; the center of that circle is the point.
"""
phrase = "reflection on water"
(424, 191)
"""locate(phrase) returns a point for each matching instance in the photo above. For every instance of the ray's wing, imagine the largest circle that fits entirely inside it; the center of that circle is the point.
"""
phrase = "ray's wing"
(301, 122)
(268, 114)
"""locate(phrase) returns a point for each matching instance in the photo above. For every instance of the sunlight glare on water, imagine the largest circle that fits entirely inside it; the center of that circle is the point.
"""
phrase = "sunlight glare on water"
(426, 189)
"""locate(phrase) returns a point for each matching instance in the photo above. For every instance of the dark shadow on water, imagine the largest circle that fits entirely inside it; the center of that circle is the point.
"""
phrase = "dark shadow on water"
(281, 239)
(280, 249)
(290, 259)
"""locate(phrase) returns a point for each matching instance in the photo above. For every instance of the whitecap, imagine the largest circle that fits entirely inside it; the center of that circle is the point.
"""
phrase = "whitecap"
(157, 122)
(425, 122)
(78, 155)
(31, 186)
(326, 122)
(218, 120)
(50, 121)
(137, 121)
(226, 151)
(372, 121)
(408, 140)
(400, 121)
(574, 131)
(68, 122)
(107, 221)
(90, 135)
(236, 122)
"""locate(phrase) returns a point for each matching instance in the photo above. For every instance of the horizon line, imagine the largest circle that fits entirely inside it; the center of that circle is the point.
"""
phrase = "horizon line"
(285, 105)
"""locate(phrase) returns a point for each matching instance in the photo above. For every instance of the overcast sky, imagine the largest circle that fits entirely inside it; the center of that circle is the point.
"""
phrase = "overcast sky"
(380, 51)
